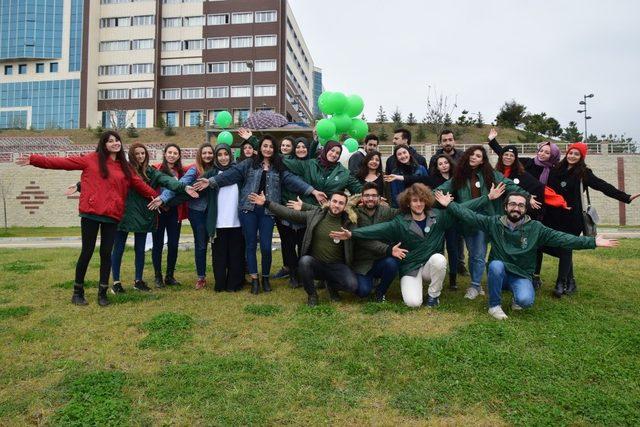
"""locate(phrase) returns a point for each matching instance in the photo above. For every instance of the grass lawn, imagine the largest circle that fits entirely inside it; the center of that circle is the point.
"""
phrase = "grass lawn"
(186, 357)
(40, 232)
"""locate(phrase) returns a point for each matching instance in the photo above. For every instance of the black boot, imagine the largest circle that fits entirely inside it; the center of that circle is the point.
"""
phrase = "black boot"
(559, 289)
(78, 295)
(169, 280)
(102, 295)
(293, 279)
(452, 281)
(536, 281)
(255, 286)
(266, 286)
(158, 280)
(334, 295)
(571, 286)
(312, 300)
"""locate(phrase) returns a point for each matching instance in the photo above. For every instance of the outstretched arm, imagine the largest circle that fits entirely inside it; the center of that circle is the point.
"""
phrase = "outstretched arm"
(608, 189)
(277, 209)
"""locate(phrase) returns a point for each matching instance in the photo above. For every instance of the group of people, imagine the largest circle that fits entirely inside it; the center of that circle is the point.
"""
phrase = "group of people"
(345, 229)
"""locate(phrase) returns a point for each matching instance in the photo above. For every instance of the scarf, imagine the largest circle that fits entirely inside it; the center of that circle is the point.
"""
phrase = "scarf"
(547, 165)
(219, 148)
(305, 142)
(324, 162)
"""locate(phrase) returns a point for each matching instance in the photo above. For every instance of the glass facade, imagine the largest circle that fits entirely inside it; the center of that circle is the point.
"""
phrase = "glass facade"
(317, 91)
(13, 119)
(31, 28)
(54, 103)
(75, 36)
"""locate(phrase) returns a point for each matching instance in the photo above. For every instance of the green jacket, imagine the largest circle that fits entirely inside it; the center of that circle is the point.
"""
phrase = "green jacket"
(517, 248)
(421, 244)
(137, 218)
(366, 254)
(464, 194)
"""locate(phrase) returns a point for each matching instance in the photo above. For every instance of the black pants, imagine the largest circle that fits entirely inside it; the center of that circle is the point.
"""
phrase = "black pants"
(228, 259)
(166, 221)
(565, 258)
(89, 232)
(340, 276)
(291, 243)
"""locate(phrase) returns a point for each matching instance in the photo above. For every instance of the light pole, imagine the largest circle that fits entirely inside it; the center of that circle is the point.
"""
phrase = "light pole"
(250, 67)
(584, 103)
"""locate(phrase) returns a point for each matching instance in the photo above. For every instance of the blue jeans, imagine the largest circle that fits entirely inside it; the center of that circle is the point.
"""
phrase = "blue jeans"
(198, 221)
(254, 223)
(166, 221)
(499, 279)
(140, 239)
(477, 247)
(384, 269)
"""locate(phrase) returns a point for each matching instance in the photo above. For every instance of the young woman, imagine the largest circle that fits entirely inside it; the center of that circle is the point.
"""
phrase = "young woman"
(405, 165)
(473, 178)
(137, 218)
(106, 178)
(246, 151)
(509, 165)
(169, 220)
(265, 174)
(568, 179)
(286, 146)
(371, 171)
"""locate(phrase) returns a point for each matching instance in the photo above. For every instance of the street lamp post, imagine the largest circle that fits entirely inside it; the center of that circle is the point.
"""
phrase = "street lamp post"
(250, 67)
(584, 103)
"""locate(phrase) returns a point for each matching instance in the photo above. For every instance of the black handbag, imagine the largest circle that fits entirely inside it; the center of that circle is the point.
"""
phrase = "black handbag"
(589, 215)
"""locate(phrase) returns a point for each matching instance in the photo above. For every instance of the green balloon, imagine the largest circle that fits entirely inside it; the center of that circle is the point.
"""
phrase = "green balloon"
(337, 102)
(342, 122)
(225, 137)
(223, 119)
(359, 129)
(351, 145)
(325, 128)
(355, 105)
(323, 102)
(236, 153)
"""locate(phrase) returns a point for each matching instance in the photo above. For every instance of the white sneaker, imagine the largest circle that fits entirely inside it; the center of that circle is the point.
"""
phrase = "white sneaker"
(515, 306)
(472, 293)
(497, 313)
(481, 291)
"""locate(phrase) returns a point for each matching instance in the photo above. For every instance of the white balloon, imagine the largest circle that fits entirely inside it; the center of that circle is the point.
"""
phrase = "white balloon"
(345, 155)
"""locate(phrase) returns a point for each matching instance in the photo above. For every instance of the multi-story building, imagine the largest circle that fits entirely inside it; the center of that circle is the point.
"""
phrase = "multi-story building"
(318, 88)
(121, 62)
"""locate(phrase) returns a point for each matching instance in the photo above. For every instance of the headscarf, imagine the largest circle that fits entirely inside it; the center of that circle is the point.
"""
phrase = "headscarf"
(301, 140)
(219, 148)
(554, 158)
(324, 162)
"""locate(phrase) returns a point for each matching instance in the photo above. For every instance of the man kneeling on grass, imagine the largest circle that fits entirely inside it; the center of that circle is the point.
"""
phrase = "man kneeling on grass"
(515, 238)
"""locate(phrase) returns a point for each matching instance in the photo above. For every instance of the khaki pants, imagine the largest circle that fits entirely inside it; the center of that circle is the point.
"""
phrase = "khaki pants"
(433, 271)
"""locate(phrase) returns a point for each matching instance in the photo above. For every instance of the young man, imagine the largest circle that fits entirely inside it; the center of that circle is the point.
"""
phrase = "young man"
(403, 137)
(447, 146)
(515, 238)
(355, 161)
(420, 231)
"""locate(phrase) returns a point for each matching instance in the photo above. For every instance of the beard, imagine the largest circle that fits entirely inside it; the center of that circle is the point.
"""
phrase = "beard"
(514, 216)
(447, 148)
(370, 205)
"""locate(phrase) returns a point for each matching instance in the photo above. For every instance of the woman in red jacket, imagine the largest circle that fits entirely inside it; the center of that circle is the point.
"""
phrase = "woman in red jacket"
(105, 180)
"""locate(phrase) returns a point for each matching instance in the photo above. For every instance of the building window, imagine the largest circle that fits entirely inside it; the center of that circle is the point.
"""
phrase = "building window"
(240, 115)
(267, 16)
(143, 20)
(196, 44)
(141, 68)
(242, 18)
(192, 93)
(113, 70)
(115, 22)
(217, 67)
(219, 19)
(193, 21)
(168, 94)
(193, 118)
(218, 43)
(107, 94)
(40, 67)
(141, 93)
(115, 45)
(240, 67)
(141, 119)
(53, 67)
(142, 44)
(265, 65)
(268, 40)
(172, 22)
(171, 1)
(172, 45)
(114, 1)
(193, 69)
(8, 70)
(170, 70)
(218, 92)
(242, 41)
(240, 91)
(22, 69)
(171, 118)
(264, 90)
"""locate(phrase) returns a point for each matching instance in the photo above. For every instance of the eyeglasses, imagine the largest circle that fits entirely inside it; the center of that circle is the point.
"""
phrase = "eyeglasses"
(516, 205)
(370, 196)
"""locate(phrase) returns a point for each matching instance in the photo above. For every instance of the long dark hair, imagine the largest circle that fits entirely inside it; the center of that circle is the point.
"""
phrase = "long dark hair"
(452, 166)
(276, 159)
(177, 165)
(464, 171)
(139, 168)
(579, 169)
(103, 154)
(364, 168)
(411, 167)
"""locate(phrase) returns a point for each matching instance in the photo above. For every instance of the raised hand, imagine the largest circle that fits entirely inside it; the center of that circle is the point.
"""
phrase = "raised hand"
(155, 204)
(535, 204)
(320, 196)
(398, 252)
(635, 196)
(443, 199)
(23, 161)
(496, 191)
(340, 235)
(191, 191)
(295, 205)
(201, 184)
(493, 134)
(391, 177)
(258, 199)
(601, 242)
(71, 190)
(244, 133)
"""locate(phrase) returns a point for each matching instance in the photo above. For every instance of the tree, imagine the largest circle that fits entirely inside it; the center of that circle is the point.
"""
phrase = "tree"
(382, 116)
(541, 124)
(479, 122)
(438, 108)
(571, 133)
(396, 118)
(421, 135)
(463, 120)
(411, 120)
(511, 114)
(447, 120)
(553, 127)
(132, 132)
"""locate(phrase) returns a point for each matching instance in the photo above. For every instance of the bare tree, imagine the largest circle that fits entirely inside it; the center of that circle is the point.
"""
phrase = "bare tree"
(119, 117)
(439, 110)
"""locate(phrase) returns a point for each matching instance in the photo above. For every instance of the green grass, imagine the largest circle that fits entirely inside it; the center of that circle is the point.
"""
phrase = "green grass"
(40, 232)
(204, 358)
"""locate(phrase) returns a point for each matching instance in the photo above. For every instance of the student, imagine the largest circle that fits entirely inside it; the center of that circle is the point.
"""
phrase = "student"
(402, 136)
(356, 160)
(371, 172)
(286, 146)
(405, 165)
(447, 146)
(515, 238)
(106, 178)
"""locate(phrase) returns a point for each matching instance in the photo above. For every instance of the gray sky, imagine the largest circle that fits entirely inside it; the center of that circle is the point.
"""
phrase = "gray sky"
(543, 54)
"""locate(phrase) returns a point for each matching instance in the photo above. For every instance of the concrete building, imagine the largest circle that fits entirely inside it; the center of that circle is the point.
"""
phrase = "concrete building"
(81, 63)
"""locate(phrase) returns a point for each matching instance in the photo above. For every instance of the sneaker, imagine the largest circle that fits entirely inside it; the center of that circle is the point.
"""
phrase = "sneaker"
(472, 292)
(159, 282)
(140, 285)
(201, 283)
(515, 306)
(380, 298)
(312, 300)
(536, 282)
(497, 313)
(334, 295)
(117, 288)
(480, 290)
(432, 301)
(171, 281)
(283, 273)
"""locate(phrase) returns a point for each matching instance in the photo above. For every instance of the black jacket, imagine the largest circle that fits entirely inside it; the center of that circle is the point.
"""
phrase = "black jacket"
(456, 156)
(528, 162)
(391, 160)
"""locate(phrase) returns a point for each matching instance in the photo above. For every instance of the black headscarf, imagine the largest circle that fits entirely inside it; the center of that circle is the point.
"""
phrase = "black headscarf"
(324, 162)
(298, 141)
(219, 148)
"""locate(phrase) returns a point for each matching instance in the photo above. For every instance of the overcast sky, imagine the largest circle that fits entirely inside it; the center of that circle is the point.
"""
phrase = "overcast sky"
(544, 54)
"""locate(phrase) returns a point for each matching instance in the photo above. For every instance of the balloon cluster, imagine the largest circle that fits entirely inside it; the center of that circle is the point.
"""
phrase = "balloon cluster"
(344, 111)
(223, 120)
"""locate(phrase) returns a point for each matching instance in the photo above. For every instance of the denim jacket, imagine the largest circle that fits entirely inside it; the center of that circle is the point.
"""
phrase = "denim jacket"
(199, 204)
(248, 178)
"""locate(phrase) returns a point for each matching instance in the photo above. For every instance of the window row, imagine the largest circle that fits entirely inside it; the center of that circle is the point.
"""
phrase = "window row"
(115, 45)
(120, 1)
(218, 92)
(220, 19)
(261, 65)
(125, 69)
(136, 93)
(128, 21)
(22, 68)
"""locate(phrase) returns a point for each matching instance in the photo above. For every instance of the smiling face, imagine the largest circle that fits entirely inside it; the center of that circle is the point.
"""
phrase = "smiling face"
(172, 155)
(286, 146)
(373, 163)
(476, 159)
(508, 158)
(247, 150)
(333, 155)
(223, 157)
(443, 165)
(370, 198)
(573, 156)
(206, 155)
(403, 156)
(266, 149)
(516, 207)
(337, 204)
(417, 205)
(301, 150)
(113, 144)
(140, 155)
(544, 153)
